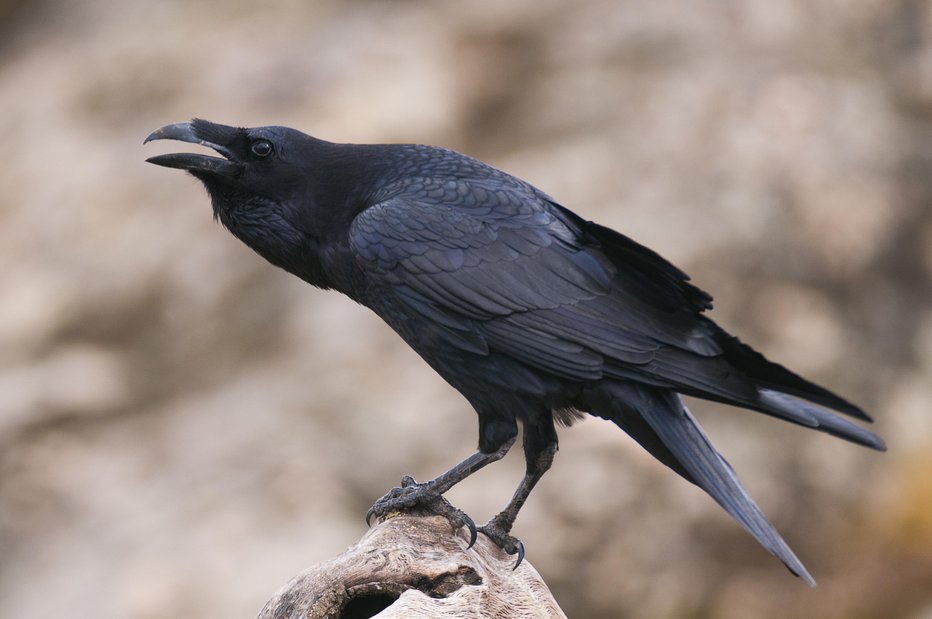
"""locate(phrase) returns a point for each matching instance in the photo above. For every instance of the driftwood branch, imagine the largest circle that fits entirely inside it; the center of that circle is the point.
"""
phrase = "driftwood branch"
(415, 566)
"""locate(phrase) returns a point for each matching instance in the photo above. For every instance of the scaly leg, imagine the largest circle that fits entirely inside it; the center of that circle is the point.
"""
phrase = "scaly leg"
(540, 446)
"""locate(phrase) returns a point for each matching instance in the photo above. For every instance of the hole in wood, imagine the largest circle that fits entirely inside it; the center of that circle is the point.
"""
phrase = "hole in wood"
(365, 606)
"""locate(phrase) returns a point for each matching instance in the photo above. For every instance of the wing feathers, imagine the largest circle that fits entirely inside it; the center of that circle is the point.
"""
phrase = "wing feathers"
(529, 279)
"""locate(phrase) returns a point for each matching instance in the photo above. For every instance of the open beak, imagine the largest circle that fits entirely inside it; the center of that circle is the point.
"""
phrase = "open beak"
(198, 132)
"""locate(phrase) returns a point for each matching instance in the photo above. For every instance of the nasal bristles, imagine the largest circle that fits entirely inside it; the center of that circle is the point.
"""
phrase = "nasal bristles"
(215, 133)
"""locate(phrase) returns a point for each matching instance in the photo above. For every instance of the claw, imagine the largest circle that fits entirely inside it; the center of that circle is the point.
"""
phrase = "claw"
(520, 552)
(496, 532)
(473, 531)
(369, 515)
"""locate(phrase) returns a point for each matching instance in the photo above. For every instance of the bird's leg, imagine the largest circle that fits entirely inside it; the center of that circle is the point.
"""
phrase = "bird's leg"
(428, 495)
(540, 447)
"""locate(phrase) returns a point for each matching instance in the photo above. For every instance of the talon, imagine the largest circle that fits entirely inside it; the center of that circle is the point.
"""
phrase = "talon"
(473, 530)
(497, 532)
(369, 515)
(520, 552)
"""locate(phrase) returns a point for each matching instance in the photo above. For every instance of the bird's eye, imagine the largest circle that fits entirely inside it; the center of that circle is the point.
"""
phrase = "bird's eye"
(261, 148)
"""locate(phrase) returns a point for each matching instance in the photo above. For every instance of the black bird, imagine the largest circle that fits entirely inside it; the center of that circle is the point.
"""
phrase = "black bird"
(534, 314)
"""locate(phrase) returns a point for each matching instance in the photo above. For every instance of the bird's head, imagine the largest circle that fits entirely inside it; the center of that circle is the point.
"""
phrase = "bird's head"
(262, 186)
(264, 163)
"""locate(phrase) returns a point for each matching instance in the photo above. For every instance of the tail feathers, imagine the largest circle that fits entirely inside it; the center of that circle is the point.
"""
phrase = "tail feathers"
(772, 376)
(795, 410)
(661, 423)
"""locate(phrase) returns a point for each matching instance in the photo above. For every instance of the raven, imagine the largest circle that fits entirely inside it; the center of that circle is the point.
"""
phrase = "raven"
(532, 313)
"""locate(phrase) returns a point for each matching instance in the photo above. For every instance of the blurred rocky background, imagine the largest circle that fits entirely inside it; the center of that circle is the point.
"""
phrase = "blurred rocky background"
(184, 427)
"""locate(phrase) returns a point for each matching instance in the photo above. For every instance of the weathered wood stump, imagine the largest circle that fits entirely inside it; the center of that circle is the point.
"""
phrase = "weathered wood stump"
(415, 566)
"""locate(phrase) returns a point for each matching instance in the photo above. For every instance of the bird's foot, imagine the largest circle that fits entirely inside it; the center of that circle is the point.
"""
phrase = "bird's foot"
(497, 530)
(412, 495)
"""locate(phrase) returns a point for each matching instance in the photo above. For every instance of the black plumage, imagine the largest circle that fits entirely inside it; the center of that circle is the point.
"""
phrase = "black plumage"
(534, 314)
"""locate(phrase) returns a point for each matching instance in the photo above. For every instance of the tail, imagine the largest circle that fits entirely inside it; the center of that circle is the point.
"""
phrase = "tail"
(780, 393)
(789, 408)
(661, 423)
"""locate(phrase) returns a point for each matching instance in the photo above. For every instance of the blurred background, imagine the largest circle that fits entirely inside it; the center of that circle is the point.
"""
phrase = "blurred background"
(182, 427)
